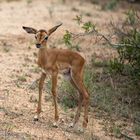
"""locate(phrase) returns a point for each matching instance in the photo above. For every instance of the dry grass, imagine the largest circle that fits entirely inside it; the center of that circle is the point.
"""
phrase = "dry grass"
(18, 70)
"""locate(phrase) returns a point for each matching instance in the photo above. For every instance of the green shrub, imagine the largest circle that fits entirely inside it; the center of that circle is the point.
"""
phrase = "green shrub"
(111, 5)
(116, 132)
(68, 95)
(67, 39)
(94, 1)
(115, 66)
(131, 17)
(129, 55)
(78, 19)
(128, 48)
(89, 78)
(88, 26)
(137, 130)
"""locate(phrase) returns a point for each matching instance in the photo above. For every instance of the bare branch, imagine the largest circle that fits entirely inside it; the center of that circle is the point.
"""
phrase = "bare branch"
(95, 32)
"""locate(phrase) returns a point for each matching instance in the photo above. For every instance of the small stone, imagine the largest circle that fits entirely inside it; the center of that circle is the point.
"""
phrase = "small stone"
(36, 118)
(55, 124)
(71, 125)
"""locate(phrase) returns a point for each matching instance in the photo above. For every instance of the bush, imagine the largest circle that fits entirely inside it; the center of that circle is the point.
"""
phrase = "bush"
(128, 48)
(130, 52)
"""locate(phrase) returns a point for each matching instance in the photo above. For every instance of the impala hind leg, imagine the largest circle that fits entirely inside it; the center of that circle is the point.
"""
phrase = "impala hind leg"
(78, 112)
(41, 83)
(54, 85)
(79, 82)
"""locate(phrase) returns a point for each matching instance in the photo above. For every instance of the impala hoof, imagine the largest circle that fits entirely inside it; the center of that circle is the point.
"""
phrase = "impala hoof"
(75, 128)
(36, 118)
(79, 130)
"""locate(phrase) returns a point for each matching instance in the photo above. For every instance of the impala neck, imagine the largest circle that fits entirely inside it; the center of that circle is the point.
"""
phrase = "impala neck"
(42, 54)
(44, 45)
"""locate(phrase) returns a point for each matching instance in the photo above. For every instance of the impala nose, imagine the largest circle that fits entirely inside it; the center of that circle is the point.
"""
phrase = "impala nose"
(38, 45)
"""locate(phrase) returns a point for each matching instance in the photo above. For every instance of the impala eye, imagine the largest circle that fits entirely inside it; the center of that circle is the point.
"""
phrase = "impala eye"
(46, 38)
(35, 37)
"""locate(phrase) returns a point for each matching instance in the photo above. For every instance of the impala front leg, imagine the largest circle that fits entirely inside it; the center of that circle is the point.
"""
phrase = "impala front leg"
(54, 85)
(41, 83)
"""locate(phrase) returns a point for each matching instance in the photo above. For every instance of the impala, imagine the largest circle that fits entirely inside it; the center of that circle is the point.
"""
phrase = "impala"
(52, 61)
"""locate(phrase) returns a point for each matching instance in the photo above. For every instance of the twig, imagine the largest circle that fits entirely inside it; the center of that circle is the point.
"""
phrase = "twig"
(118, 30)
(95, 32)
(112, 83)
(126, 136)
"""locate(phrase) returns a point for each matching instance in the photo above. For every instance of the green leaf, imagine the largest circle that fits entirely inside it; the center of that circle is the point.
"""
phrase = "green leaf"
(67, 38)
(78, 19)
(88, 26)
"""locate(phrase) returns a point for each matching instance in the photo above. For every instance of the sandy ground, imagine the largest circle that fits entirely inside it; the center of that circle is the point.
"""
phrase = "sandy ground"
(18, 68)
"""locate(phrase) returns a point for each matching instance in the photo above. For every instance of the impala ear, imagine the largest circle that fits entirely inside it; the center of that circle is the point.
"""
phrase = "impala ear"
(30, 30)
(53, 29)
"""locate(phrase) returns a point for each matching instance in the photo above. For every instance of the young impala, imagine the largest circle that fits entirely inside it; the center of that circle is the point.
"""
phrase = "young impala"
(53, 60)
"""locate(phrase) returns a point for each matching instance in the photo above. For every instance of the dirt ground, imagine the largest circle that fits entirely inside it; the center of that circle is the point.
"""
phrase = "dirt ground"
(18, 68)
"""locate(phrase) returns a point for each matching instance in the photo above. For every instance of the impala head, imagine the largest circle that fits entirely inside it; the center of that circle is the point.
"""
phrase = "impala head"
(42, 35)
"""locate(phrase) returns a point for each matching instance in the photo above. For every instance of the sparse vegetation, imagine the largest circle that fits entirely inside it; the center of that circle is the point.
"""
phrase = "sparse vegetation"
(68, 95)
(111, 75)
(111, 5)
(127, 62)
(137, 130)
(22, 78)
(35, 70)
(116, 132)
(88, 26)
(29, 1)
(94, 1)
(67, 38)
(131, 17)
(6, 49)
